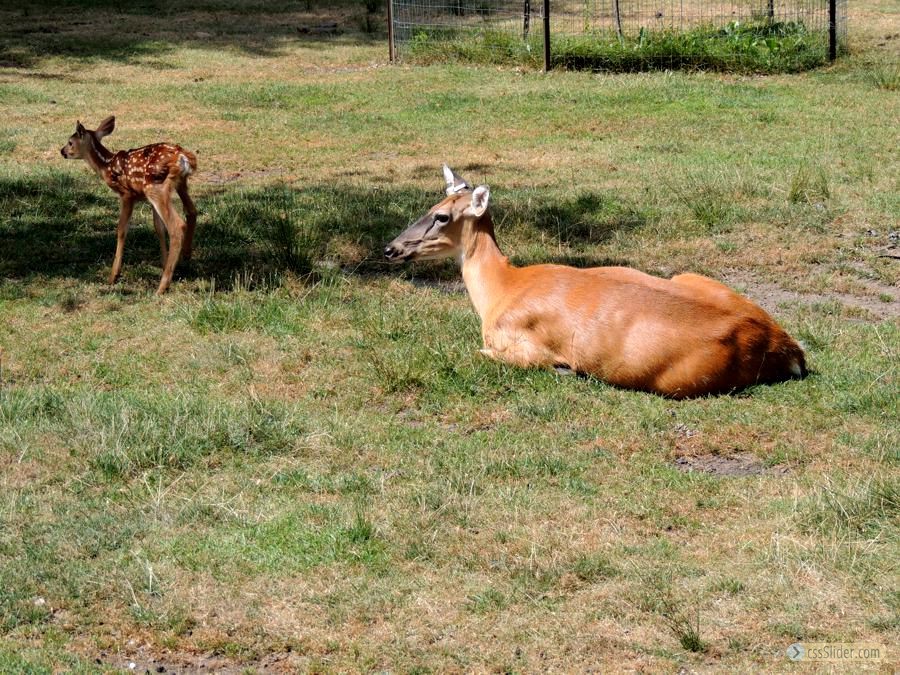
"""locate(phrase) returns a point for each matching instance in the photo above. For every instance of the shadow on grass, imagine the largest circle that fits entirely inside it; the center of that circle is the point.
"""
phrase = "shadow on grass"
(148, 29)
(587, 218)
(59, 225)
(54, 225)
(62, 225)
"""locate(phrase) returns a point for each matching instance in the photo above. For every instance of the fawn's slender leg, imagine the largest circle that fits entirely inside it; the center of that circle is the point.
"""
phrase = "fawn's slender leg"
(190, 212)
(127, 206)
(160, 227)
(161, 199)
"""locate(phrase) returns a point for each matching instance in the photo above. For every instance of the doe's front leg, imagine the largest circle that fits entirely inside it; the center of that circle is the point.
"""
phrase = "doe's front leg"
(524, 349)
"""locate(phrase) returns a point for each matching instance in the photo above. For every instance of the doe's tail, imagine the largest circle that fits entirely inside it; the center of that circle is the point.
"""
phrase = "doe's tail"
(784, 361)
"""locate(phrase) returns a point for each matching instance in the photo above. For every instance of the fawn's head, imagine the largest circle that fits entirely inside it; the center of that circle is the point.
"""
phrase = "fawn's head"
(80, 142)
(439, 233)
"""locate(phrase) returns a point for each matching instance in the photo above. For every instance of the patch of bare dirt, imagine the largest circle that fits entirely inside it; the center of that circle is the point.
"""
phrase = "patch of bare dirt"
(739, 464)
(769, 296)
(695, 453)
(144, 661)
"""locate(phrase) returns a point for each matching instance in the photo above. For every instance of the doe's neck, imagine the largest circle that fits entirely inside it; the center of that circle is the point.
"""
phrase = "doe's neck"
(485, 269)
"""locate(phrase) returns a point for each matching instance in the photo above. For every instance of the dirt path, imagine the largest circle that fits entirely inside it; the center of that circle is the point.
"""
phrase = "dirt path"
(769, 296)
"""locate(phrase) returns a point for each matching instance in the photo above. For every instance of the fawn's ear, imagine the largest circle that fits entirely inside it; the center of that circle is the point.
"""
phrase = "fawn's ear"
(106, 127)
(79, 128)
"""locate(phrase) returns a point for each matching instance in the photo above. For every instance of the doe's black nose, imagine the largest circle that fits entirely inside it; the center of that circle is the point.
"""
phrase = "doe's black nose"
(389, 251)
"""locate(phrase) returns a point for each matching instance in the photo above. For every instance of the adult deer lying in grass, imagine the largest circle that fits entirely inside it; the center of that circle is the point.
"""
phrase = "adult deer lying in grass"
(152, 173)
(679, 337)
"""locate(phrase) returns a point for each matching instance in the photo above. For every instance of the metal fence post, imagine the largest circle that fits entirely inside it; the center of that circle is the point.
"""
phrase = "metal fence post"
(390, 19)
(547, 35)
(832, 30)
(526, 20)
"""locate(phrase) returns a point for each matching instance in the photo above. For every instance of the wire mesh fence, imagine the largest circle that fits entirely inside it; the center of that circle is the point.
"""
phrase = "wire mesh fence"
(740, 35)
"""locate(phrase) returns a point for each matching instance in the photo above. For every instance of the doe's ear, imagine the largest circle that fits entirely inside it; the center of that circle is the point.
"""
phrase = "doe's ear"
(480, 197)
(79, 128)
(455, 184)
(106, 127)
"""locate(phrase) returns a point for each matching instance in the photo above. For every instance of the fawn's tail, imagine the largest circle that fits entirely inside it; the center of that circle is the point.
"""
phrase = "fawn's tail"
(187, 162)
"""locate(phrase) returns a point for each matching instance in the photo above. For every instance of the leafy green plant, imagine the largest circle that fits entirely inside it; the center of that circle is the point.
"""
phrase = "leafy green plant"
(435, 45)
(763, 46)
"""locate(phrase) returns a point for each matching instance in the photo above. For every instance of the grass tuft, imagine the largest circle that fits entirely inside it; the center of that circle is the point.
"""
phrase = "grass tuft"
(809, 185)
(710, 198)
(865, 508)
(489, 600)
(594, 567)
(886, 76)
(683, 622)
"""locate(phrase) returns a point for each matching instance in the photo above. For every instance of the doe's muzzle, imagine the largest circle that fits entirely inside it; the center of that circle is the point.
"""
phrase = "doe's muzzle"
(392, 252)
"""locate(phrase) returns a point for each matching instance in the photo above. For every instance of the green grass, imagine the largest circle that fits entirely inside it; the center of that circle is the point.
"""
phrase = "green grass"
(761, 46)
(886, 76)
(861, 509)
(297, 458)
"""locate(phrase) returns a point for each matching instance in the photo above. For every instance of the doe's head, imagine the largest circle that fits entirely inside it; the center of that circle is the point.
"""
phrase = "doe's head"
(439, 233)
(79, 143)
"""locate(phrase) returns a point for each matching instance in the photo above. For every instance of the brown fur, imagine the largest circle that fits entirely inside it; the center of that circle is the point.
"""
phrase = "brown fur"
(680, 337)
(151, 173)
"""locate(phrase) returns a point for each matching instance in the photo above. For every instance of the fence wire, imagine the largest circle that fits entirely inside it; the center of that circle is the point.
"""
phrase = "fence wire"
(742, 35)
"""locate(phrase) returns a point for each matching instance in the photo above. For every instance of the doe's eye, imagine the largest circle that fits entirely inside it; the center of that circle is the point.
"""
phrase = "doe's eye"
(442, 218)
